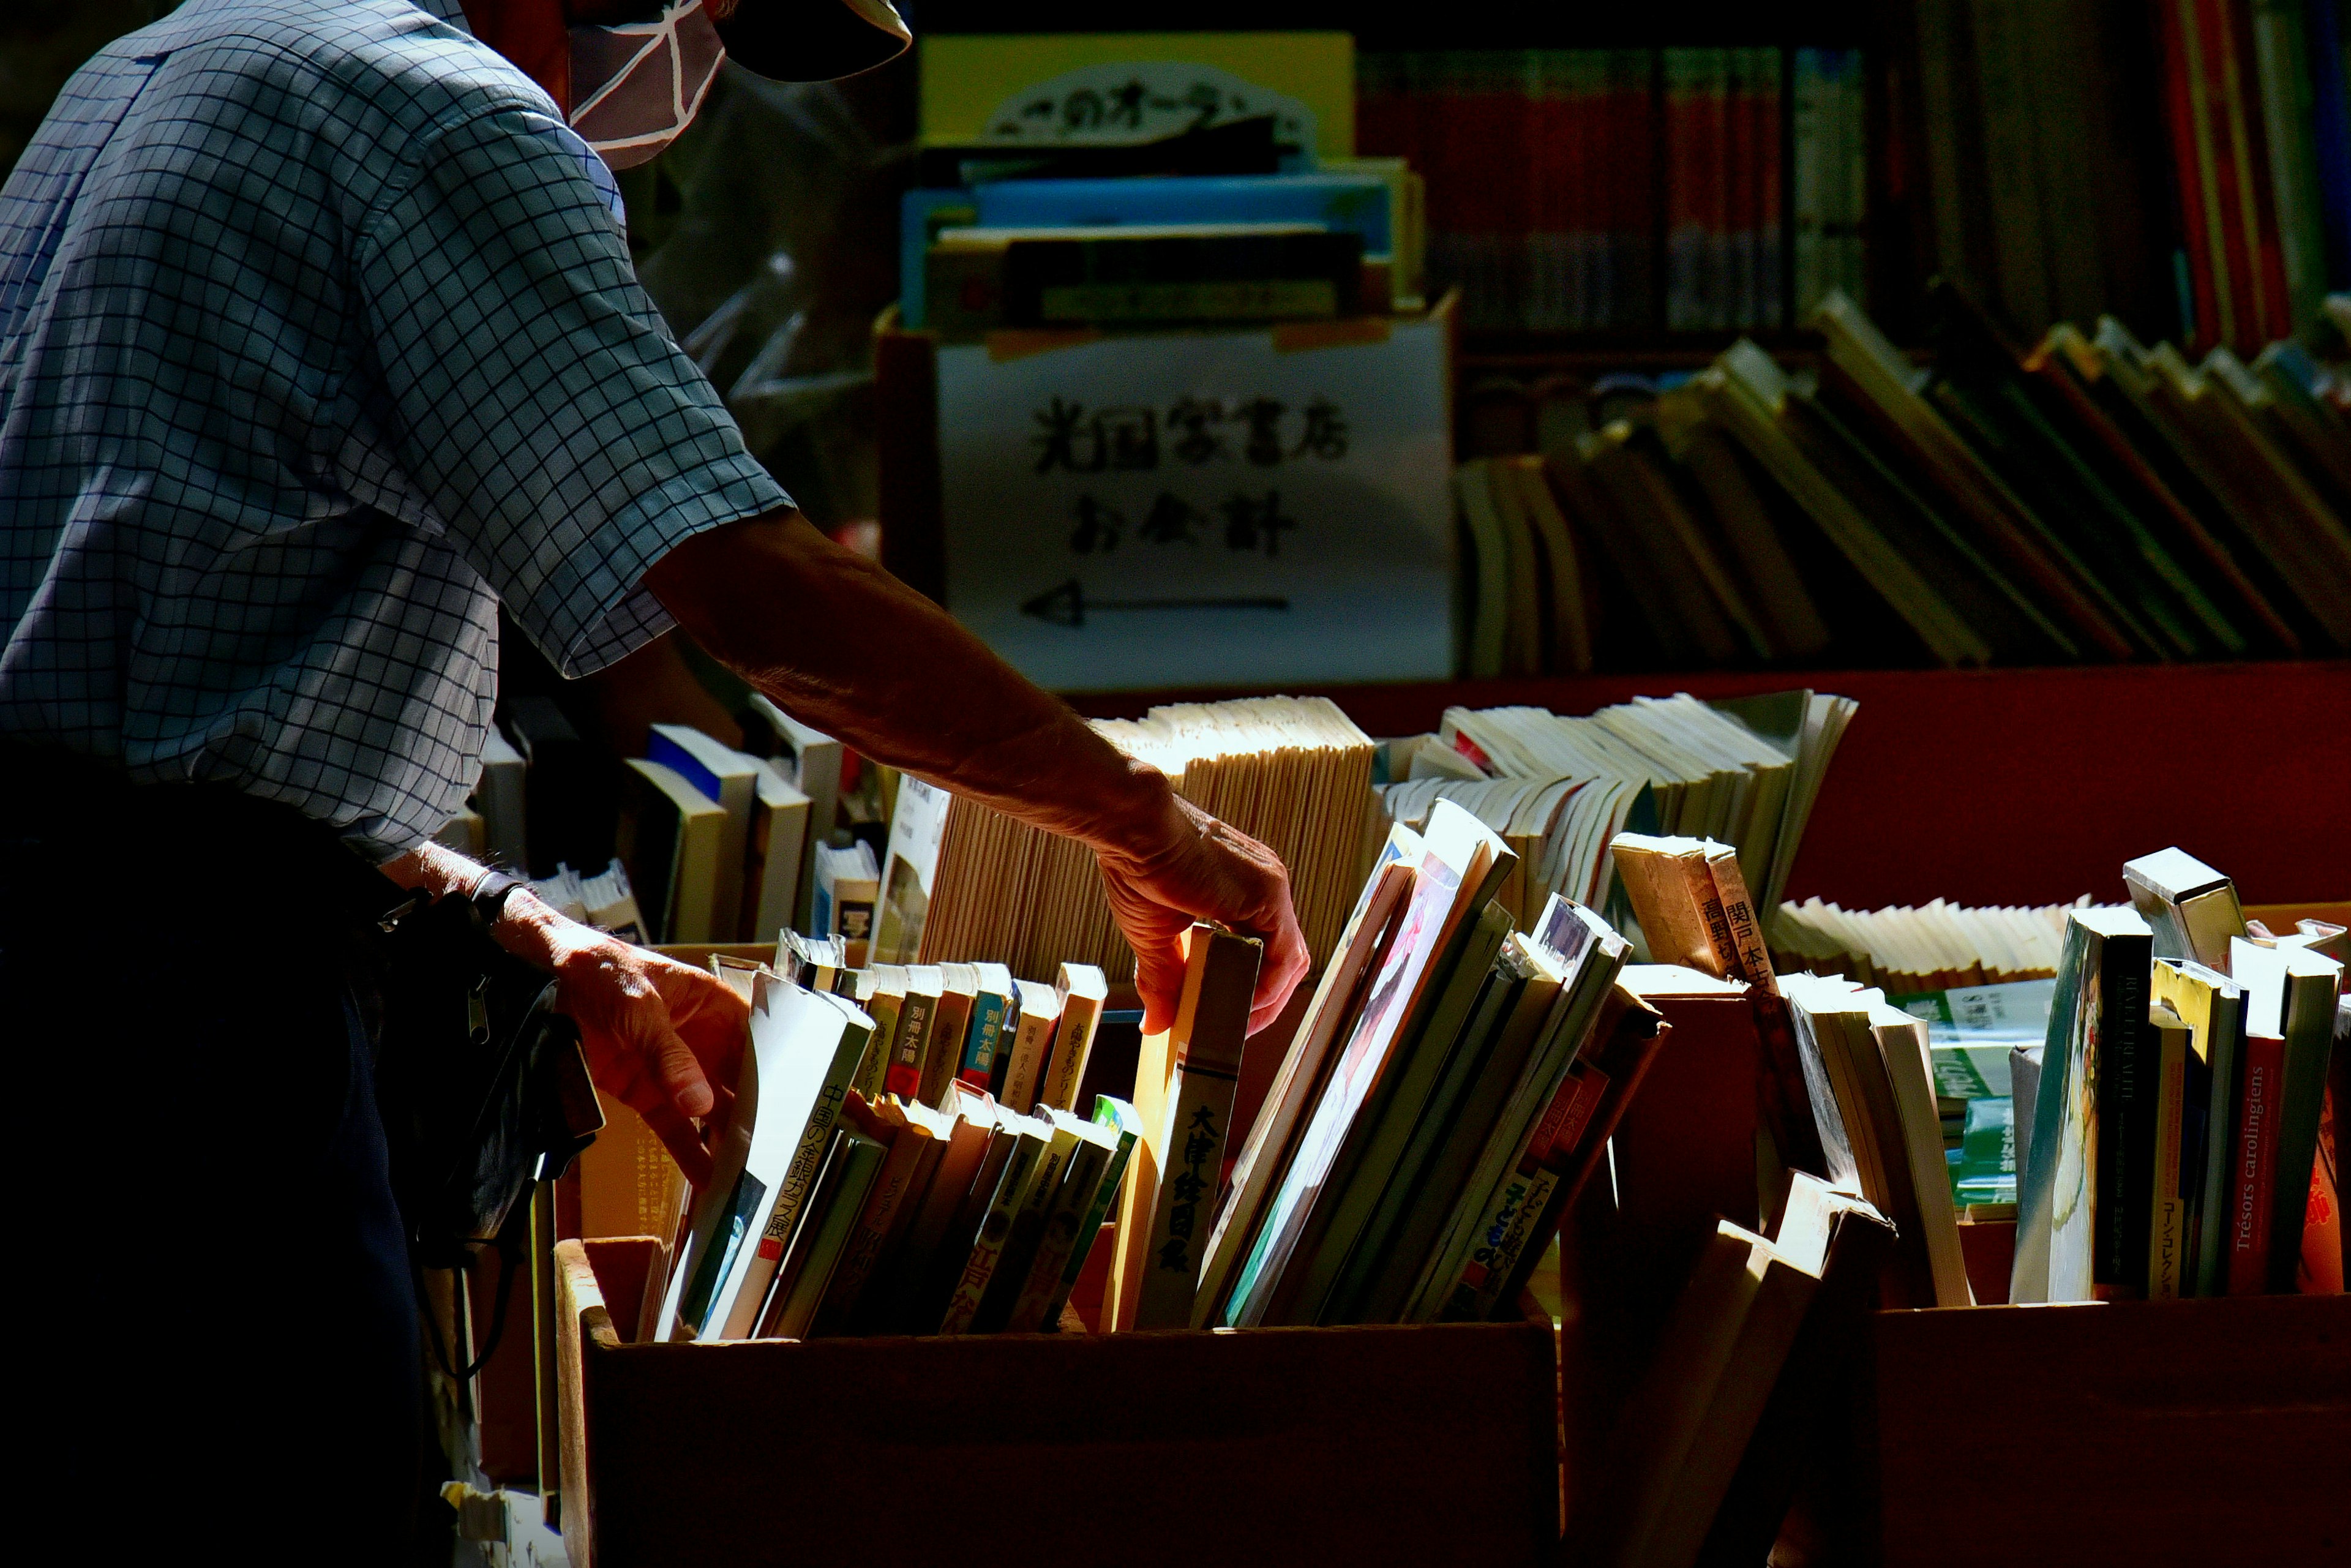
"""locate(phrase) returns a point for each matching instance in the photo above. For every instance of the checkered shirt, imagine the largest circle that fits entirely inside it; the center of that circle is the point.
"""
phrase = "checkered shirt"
(319, 340)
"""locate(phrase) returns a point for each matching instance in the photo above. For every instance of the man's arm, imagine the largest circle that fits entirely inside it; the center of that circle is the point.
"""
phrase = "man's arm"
(841, 644)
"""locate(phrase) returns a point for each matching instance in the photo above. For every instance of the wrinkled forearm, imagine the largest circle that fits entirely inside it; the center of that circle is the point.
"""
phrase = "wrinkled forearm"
(527, 926)
(841, 644)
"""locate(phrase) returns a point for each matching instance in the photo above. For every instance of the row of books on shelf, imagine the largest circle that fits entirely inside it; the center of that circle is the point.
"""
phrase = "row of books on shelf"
(1691, 189)
(2094, 500)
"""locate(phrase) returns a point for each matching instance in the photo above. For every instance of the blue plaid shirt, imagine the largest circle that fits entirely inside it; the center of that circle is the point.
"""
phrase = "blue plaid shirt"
(319, 340)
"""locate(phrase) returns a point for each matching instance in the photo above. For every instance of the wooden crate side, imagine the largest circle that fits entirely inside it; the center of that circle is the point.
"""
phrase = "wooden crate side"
(1274, 1446)
(2150, 1433)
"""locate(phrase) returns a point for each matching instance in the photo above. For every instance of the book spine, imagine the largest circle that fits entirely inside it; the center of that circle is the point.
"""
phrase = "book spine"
(1073, 1043)
(2224, 122)
(2253, 1166)
(2258, 165)
(1509, 1219)
(905, 1075)
(1199, 1114)
(1031, 1040)
(995, 1234)
(2166, 1244)
(863, 1250)
(2203, 228)
(799, 1177)
(2124, 1074)
(987, 1029)
(943, 1047)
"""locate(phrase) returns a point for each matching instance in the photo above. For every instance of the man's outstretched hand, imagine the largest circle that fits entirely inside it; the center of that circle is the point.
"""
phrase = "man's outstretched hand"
(1194, 867)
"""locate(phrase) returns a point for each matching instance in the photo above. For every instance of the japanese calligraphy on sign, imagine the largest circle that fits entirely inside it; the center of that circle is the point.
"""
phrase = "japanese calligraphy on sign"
(1140, 100)
(1202, 508)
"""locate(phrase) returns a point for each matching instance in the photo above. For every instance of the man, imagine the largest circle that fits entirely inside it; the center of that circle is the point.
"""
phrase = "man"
(319, 342)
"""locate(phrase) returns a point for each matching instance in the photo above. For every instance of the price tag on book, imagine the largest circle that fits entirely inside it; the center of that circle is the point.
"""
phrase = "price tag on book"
(1203, 509)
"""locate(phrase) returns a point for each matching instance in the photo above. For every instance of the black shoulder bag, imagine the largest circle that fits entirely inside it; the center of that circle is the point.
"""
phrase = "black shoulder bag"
(482, 1084)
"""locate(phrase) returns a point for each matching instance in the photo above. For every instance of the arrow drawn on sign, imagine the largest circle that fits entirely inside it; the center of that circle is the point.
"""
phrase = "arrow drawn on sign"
(1067, 605)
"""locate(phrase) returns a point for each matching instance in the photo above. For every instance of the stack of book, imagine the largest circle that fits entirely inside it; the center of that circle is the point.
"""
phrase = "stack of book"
(2095, 499)
(1292, 772)
(868, 1181)
(1930, 947)
(1448, 1091)
(1649, 188)
(1147, 207)
(2179, 1100)
(1559, 788)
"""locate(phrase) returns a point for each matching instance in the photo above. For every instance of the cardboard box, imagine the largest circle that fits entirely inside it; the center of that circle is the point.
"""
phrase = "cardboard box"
(1271, 1446)
(2140, 1432)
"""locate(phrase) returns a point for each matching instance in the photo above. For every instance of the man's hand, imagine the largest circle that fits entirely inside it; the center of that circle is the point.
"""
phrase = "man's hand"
(1195, 867)
(668, 1039)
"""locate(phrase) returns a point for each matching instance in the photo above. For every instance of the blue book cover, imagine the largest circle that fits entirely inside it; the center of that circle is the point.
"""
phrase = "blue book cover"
(661, 748)
(1344, 203)
(980, 1045)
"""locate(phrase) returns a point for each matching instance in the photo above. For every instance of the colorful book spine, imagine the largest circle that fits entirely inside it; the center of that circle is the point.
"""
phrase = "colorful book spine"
(989, 1012)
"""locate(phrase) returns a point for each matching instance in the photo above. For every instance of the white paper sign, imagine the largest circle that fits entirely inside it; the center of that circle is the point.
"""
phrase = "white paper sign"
(1203, 508)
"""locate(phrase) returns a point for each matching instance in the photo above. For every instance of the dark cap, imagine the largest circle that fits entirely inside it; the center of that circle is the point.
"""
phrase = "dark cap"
(812, 40)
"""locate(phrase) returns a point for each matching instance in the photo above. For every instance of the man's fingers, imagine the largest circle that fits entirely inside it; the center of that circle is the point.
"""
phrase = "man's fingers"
(1159, 976)
(678, 1073)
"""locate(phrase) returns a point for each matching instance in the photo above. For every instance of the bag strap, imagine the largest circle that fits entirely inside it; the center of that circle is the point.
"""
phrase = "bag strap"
(510, 1263)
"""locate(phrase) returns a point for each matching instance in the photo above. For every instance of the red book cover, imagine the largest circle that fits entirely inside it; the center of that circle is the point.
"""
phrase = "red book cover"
(2195, 233)
(2253, 1165)
(2224, 120)
(2322, 1222)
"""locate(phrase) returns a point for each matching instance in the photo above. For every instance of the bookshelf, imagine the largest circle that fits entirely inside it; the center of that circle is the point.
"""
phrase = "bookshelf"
(1989, 786)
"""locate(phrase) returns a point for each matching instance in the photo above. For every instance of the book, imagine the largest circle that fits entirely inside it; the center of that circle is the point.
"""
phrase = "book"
(1027, 1231)
(2076, 1157)
(2253, 1166)
(1080, 991)
(908, 870)
(1203, 1071)
(1338, 1000)
(776, 848)
(1029, 1145)
(848, 885)
(850, 1173)
(2173, 1186)
(882, 992)
(1117, 1117)
(1433, 967)
(810, 760)
(946, 1037)
(1141, 275)
(914, 1149)
(671, 838)
(502, 796)
(991, 1027)
(1064, 1220)
(729, 777)
(1866, 1067)
(2192, 908)
(1349, 207)
(1679, 1444)
(2212, 1005)
(1023, 1069)
(910, 1037)
(821, 1039)
(2291, 993)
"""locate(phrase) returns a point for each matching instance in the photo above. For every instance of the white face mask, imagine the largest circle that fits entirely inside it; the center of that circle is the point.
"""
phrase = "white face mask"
(636, 86)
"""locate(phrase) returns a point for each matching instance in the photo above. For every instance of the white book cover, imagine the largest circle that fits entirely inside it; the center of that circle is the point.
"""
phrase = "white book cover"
(916, 827)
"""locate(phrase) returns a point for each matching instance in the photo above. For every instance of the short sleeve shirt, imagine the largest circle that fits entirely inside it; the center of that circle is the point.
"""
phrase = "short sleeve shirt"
(319, 340)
